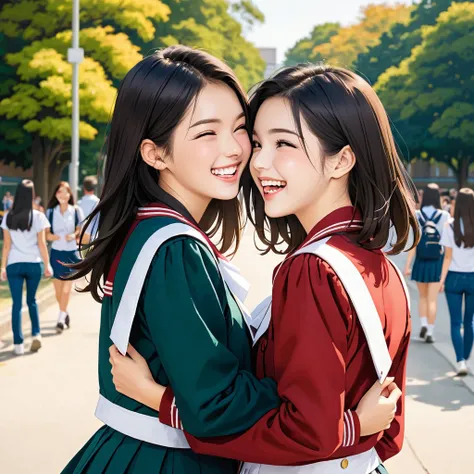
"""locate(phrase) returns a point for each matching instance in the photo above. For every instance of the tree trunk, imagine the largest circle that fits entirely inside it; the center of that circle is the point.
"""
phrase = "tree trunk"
(56, 168)
(40, 171)
(47, 167)
(462, 173)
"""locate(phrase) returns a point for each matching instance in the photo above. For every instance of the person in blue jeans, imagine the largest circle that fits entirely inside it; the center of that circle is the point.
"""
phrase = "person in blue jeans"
(24, 248)
(457, 276)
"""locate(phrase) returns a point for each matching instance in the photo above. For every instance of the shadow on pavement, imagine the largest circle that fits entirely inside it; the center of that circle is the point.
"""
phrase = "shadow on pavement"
(435, 383)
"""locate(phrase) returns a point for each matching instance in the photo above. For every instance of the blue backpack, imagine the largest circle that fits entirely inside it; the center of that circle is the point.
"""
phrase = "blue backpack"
(429, 247)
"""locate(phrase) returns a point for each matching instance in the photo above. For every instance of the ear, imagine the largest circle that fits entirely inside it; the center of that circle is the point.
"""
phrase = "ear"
(152, 155)
(344, 161)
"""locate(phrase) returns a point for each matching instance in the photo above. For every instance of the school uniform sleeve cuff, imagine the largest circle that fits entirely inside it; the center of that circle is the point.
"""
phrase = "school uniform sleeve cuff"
(165, 406)
(351, 434)
(169, 413)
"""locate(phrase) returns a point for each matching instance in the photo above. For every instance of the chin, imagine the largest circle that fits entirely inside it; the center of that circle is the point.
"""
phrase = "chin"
(274, 211)
(225, 195)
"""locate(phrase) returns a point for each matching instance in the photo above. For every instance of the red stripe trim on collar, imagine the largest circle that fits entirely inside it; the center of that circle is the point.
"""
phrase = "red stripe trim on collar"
(149, 212)
(348, 225)
(152, 210)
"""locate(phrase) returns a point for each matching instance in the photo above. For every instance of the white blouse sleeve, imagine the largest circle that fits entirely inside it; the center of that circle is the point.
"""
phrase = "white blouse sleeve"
(41, 222)
(447, 237)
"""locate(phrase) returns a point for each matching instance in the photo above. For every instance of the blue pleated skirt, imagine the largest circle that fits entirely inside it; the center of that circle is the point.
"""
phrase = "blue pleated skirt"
(57, 258)
(427, 271)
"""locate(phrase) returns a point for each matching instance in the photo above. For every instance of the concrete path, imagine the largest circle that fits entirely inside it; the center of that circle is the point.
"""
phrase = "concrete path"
(47, 400)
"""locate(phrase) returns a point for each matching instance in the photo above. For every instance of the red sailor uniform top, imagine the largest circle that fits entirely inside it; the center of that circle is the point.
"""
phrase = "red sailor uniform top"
(316, 350)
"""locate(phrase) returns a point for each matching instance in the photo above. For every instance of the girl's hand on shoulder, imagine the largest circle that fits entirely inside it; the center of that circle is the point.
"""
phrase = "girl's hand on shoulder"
(132, 377)
(378, 406)
(3, 275)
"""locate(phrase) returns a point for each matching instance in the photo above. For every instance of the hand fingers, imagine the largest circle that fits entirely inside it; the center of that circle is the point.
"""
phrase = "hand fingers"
(134, 354)
(385, 393)
(395, 395)
(385, 383)
(113, 351)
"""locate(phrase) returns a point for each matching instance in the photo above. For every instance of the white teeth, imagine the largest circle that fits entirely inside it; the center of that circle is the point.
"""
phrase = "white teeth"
(272, 183)
(224, 171)
(271, 191)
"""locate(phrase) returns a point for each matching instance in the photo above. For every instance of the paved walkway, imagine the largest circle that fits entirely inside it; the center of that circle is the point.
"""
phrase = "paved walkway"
(47, 399)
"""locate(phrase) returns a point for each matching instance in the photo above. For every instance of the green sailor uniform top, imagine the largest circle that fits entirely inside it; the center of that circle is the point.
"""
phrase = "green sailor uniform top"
(183, 311)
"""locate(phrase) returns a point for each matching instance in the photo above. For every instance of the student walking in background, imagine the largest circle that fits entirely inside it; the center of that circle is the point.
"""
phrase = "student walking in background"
(24, 248)
(89, 201)
(428, 258)
(7, 201)
(457, 277)
(65, 219)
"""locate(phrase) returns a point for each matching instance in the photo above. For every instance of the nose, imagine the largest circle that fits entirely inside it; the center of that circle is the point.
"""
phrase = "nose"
(261, 161)
(233, 147)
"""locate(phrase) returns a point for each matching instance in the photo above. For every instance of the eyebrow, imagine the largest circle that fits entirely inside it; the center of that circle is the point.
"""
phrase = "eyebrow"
(213, 120)
(282, 130)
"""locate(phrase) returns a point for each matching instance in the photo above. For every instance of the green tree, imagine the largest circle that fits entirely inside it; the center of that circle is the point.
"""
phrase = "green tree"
(40, 99)
(210, 25)
(15, 142)
(396, 44)
(343, 48)
(429, 96)
(302, 51)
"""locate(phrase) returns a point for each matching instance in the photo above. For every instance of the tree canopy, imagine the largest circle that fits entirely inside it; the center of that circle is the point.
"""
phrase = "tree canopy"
(429, 95)
(396, 44)
(35, 80)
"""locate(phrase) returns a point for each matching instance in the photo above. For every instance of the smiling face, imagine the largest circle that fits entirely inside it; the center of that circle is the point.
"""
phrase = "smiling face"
(209, 151)
(293, 180)
(63, 195)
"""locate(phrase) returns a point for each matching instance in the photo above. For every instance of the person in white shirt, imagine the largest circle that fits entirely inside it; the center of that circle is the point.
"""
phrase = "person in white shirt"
(429, 258)
(457, 276)
(24, 248)
(89, 201)
(65, 219)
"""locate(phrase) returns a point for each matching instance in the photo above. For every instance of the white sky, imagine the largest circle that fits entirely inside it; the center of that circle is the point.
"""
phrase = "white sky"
(286, 21)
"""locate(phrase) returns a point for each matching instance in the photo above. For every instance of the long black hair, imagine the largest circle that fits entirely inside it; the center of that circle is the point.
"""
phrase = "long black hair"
(153, 98)
(464, 212)
(340, 109)
(21, 215)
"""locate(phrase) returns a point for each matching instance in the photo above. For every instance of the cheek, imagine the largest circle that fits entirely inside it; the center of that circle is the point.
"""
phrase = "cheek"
(293, 167)
(246, 146)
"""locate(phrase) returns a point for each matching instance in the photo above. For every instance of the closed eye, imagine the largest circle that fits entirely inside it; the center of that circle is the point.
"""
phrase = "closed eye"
(205, 134)
(282, 143)
(241, 127)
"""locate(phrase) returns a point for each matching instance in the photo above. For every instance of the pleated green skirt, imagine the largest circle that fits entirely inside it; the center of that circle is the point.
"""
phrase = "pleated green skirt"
(111, 452)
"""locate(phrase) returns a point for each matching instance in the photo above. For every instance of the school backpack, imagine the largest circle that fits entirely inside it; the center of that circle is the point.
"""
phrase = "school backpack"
(429, 247)
(50, 215)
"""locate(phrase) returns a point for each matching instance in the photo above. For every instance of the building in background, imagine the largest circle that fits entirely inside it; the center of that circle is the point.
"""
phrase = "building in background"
(424, 172)
(269, 55)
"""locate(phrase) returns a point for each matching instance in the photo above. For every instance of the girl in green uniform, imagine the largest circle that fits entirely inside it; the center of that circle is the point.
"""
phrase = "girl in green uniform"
(179, 140)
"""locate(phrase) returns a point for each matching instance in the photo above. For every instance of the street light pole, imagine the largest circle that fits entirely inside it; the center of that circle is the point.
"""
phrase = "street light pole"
(75, 56)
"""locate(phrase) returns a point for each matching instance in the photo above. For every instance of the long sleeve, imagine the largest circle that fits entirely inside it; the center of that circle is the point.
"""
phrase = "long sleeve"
(186, 309)
(310, 318)
(392, 439)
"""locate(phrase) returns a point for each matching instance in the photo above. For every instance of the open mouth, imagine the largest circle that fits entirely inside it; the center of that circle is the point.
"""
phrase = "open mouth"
(272, 186)
(227, 173)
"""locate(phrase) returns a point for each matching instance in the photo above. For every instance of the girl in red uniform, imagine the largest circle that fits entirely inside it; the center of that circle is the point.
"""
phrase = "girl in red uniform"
(328, 182)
